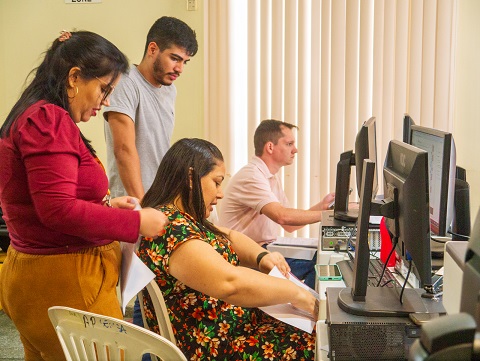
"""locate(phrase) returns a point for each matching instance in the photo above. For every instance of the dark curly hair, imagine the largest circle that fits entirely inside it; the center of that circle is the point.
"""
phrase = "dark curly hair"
(168, 31)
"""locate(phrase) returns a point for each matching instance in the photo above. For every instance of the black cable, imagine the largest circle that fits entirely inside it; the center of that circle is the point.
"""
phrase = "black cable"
(459, 235)
(349, 242)
(438, 240)
(394, 244)
(406, 280)
(387, 282)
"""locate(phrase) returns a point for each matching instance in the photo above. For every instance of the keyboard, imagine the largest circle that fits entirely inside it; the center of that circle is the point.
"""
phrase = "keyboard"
(375, 269)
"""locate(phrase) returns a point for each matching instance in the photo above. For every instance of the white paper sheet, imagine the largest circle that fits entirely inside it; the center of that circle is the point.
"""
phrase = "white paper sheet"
(375, 220)
(296, 241)
(135, 275)
(288, 313)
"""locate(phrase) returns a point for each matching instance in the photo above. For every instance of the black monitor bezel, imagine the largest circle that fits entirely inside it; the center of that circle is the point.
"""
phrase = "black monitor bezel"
(347, 160)
(407, 128)
(404, 177)
(363, 142)
(445, 214)
(401, 182)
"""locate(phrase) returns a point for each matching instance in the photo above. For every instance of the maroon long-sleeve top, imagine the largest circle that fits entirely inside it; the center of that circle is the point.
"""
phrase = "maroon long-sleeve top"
(52, 188)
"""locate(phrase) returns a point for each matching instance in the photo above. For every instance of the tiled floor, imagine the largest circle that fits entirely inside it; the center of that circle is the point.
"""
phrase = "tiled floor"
(10, 346)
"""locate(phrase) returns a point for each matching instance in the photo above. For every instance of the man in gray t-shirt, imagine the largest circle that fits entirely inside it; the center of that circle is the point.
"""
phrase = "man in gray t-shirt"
(141, 114)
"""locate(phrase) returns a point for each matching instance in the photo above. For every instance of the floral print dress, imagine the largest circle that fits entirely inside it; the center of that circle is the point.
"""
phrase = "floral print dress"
(208, 328)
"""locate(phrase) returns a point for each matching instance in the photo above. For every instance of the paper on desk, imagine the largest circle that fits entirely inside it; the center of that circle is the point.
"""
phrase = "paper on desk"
(375, 220)
(135, 275)
(296, 241)
(288, 313)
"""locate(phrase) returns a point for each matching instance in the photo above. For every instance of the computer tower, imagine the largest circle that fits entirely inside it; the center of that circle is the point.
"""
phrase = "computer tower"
(335, 234)
(352, 337)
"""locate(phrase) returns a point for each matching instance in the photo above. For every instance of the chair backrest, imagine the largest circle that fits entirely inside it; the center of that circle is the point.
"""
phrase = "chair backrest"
(87, 336)
(158, 302)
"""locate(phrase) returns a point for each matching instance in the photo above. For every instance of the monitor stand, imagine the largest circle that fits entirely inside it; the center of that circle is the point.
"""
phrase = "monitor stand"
(350, 215)
(383, 302)
(343, 190)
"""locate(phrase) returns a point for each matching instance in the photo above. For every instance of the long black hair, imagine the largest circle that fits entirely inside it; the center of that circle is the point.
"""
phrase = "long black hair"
(187, 159)
(93, 54)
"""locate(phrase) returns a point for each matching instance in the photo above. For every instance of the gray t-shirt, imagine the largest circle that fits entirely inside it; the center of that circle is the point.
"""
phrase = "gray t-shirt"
(152, 110)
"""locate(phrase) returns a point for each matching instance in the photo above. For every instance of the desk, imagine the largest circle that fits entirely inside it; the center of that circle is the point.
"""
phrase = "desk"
(321, 347)
(296, 252)
(454, 261)
(394, 325)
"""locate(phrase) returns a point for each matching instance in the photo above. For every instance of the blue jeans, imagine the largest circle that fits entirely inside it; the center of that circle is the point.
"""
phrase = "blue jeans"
(137, 314)
(304, 270)
(138, 320)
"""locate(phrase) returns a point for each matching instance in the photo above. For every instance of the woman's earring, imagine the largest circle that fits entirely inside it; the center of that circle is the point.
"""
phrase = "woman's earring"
(190, 175)
(76, 93)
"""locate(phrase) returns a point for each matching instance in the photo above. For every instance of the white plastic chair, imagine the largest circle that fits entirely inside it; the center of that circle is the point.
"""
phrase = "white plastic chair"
(87, 336)
(158, 302)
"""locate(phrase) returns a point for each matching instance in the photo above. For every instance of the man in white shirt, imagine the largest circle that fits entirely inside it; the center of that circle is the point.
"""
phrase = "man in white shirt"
(255, 203)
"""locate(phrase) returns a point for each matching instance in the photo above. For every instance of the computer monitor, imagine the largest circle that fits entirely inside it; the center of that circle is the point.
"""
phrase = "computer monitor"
(407, 128)
(365, 148)
(406, 208)
(442, 169)
(471, 275)
(461, 226)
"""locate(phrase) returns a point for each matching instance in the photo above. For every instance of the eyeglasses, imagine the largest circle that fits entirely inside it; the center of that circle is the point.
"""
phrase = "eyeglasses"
(107, 89)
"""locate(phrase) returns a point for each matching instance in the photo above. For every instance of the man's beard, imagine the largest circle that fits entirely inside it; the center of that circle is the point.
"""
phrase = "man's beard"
(157, 69)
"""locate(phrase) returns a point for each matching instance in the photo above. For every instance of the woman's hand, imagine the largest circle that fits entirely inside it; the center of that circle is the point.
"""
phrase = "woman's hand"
(152, 222)
(305, 301)
(125, 202)
(274, 259)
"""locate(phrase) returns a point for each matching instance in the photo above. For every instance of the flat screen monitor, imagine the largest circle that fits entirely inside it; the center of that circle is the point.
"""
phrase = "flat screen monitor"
(441, 164)
(407, 127)
(365, 148)
(471, 275)
(406, 208)
(406, 169)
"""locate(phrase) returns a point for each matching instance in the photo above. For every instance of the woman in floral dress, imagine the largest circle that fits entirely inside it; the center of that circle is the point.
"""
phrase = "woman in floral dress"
(209, 275)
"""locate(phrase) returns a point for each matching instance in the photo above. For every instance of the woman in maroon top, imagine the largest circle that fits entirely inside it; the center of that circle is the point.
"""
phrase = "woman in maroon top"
(54, 195)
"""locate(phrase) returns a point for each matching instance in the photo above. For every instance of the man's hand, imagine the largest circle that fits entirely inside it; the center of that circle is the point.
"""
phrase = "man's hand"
(327, 201)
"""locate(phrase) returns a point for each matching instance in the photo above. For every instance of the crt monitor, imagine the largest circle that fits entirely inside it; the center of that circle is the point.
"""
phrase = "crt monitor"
(406, 209)
(441, 164)
(365, 148)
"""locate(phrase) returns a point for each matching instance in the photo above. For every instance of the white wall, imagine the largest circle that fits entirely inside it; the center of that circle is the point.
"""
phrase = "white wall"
(467, 96)
(28, 27)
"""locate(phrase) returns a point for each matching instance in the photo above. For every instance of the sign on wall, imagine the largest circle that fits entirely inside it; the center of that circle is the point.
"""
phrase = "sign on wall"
(82, 1)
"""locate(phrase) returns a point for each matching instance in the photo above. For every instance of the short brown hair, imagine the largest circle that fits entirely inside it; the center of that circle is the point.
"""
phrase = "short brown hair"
(269, 130)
